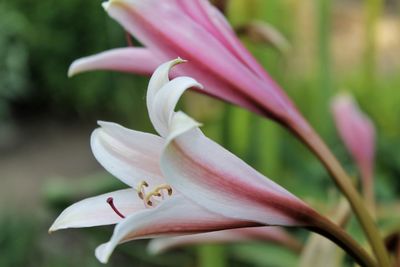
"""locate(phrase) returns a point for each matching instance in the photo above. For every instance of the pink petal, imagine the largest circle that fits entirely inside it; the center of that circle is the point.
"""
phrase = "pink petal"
(173, 216)
(154, 24)
(214, 22)
(219, 88)
(267, 234)
(357, 132)
(137, 60)
(95, 211)
(216, 179)
(129, 155)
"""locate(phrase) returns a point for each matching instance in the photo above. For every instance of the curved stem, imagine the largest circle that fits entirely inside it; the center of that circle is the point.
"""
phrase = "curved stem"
(343, 182)
(337, 235)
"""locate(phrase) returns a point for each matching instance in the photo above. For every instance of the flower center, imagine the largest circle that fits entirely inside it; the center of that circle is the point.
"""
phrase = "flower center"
(150, 199)
(155, 196)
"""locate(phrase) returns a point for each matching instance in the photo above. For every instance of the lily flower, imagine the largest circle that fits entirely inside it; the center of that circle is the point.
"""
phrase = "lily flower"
(275, 235)
(185, 183)
(358, 134)
(198, 32)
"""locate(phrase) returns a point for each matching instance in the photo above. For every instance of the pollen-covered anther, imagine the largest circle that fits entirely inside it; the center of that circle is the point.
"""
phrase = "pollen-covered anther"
(157, 192)
(149, 201)
(162, 187)
(140, 189)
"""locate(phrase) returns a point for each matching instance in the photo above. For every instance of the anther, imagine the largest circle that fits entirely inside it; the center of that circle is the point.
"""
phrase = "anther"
(157, 192)
(164, 187)
(140, 189)
(149, 196)
(110, 202)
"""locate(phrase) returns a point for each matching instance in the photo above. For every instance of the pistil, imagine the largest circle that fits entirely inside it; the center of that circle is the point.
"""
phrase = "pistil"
(110, 202)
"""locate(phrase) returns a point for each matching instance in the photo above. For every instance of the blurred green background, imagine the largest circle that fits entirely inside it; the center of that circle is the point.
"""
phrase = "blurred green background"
(46, 118)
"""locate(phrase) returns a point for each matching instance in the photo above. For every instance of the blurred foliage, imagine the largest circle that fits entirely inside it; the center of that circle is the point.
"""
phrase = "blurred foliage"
(39, 40)
(13, 51)
(18, 241)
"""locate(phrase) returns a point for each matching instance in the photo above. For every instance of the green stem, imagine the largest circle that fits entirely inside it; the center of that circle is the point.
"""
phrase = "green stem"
(337, 235)
(343, 182)
(368, 192)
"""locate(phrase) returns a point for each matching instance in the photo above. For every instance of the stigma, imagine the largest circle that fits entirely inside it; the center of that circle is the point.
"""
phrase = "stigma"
(110, 202)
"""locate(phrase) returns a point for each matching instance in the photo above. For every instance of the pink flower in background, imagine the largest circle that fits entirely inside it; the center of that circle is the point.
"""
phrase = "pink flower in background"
(358, 134)
(183, 182)
(275, 235)
(197, 31)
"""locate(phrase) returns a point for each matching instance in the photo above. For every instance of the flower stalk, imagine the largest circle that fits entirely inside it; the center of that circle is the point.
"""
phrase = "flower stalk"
(310, 138)
(337, 235)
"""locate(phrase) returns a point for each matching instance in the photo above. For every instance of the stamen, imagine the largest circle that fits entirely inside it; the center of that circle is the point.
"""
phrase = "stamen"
(148, 199)
(140, 189)
(110, 202)
(155, 196)
(157, 192)
(164, 187)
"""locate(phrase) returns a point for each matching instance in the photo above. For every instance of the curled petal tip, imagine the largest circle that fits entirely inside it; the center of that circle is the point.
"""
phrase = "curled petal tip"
(106, 5)
(102, 253)
(103, 123)
(55, 227)
(178, 61)
(60, 223)
(73, 69)
(155, 247)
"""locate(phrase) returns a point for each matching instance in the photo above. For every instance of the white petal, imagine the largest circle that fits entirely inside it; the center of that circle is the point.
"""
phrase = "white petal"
(165, 101)
(173, 216)
(182, 123)
(129, 155)
(96, 211)
(159, 79)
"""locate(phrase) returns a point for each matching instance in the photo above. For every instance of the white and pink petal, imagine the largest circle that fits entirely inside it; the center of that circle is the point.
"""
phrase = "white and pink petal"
(214, 178)
(166, 101)
(129, 155)
(95, 211)
(173, 216)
